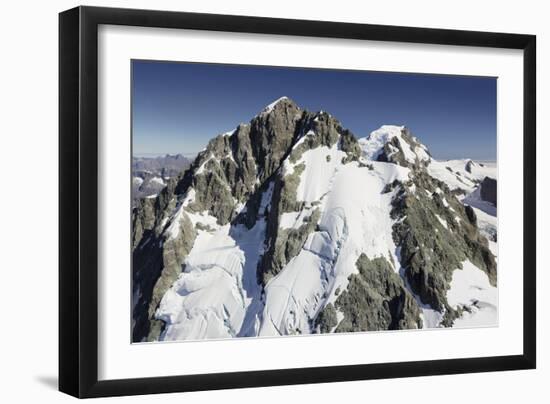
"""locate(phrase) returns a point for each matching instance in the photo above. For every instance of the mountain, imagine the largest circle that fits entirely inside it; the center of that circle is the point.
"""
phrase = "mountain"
(292, 225)
(462, 176)
(164, 166)
(149, 174)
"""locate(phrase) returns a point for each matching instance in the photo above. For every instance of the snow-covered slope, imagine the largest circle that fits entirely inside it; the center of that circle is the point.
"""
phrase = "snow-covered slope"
(270, 233)
(211, 296)
(471, 290)
(353, 220)
(463, 174)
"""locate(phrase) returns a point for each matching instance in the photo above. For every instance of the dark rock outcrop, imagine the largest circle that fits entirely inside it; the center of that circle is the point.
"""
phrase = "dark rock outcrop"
(375, 299)
(488, 190)
(392, 151)
(272, 134)
(284, 245)
(469, 166)
(157, 263)
(436, 234)
(327, 319)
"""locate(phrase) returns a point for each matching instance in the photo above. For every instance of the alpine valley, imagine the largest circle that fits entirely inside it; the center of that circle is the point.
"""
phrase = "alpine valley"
(290, 224)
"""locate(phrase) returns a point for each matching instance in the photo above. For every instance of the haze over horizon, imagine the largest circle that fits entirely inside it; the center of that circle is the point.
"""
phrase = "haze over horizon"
(178, 107)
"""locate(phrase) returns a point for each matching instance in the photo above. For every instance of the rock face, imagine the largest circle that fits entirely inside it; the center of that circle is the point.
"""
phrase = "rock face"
(488, 190)
(272, 133)
(376, 299)
(290, 224)
(469, 166)
(436, 234)
(158, 253)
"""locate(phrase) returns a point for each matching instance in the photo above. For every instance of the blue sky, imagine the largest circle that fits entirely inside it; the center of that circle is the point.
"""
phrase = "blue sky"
(178, 107)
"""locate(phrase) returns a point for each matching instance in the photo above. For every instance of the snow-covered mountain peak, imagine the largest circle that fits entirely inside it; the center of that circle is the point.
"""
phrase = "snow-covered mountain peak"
(373, 145)
(281, 100)
(394, 144)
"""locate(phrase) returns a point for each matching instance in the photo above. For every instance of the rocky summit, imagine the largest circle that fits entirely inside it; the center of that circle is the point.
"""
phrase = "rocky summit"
(290, 224)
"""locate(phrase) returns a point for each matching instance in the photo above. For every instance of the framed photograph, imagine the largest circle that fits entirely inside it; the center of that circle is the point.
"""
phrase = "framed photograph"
(251, 201)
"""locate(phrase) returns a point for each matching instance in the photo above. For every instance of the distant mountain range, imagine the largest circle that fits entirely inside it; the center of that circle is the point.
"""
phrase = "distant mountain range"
(290, 224)
(150, 174)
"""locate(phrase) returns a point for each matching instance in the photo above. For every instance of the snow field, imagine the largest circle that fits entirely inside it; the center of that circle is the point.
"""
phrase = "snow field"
(470, 287)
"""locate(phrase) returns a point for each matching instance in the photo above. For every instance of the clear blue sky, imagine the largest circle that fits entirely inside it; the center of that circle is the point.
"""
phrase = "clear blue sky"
(178, 107)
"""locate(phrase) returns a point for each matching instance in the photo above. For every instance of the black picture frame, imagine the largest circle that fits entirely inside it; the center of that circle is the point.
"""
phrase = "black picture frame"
(78, 201)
